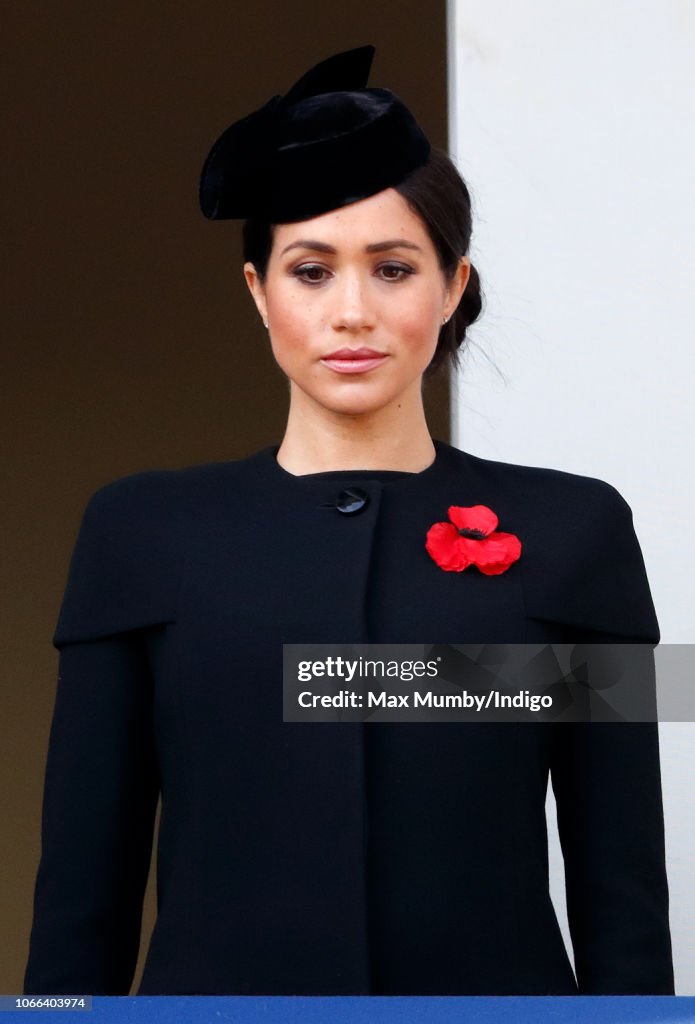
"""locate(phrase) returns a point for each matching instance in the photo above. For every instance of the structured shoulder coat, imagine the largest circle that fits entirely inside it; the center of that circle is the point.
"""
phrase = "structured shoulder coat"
(339, 858)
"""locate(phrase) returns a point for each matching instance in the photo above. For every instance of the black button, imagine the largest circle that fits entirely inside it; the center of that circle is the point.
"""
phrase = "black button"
(351, 500)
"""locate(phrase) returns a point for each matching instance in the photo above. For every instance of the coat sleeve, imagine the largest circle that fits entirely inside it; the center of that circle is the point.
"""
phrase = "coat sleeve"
(607, 783)
(101, 779)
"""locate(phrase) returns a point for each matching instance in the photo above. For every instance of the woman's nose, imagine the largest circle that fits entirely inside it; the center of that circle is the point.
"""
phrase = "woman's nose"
(352, 308)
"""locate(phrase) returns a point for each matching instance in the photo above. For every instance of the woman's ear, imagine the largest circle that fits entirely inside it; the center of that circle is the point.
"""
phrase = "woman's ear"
(257, 290)
(457, 286)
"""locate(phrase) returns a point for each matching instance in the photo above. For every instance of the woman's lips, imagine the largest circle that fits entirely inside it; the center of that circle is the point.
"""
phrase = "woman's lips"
(359, 360)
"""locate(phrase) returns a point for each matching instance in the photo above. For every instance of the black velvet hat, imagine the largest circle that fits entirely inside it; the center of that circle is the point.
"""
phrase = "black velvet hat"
(328, 142)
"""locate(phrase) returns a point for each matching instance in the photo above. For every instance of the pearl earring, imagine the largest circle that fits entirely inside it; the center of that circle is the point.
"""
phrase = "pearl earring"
(265, 323)
(445, 320)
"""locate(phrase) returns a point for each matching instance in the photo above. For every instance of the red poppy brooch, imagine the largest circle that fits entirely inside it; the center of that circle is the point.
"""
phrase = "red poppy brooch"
(472, 538)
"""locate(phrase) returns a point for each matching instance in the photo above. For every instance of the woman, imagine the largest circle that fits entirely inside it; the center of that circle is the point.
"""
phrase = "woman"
(342, 858)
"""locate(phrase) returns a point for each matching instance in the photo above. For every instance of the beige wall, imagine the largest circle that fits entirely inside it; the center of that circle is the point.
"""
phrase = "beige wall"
(131, 341)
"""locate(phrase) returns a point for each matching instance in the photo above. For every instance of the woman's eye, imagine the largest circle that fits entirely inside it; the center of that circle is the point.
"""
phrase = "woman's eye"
(394, 271)
(310, 272)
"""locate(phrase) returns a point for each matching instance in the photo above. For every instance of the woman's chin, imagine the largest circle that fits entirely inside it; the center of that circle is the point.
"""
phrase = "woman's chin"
(358, 397)
(357, 406)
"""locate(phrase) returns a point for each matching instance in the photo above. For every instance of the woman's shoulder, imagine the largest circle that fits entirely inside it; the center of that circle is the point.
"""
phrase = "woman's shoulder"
(166, 482)
(132, 544)
(537, 488)
(166, 498)
(581, 560)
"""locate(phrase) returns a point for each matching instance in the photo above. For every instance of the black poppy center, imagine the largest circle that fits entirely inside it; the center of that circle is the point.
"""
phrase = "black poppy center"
(472, 533)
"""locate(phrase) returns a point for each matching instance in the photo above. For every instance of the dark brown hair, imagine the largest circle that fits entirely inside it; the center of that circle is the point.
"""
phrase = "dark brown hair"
(437, 193)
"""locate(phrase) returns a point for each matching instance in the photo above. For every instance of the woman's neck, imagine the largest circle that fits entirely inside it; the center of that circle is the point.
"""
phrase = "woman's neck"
(320, 440)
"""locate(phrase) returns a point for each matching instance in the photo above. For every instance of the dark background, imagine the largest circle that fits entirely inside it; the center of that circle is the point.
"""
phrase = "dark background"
(130, 341)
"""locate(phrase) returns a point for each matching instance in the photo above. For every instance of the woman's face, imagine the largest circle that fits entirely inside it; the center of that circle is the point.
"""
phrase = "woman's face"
(354, 301)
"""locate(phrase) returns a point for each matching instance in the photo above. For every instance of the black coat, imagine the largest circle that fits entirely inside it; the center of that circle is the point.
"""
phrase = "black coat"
(339, 858)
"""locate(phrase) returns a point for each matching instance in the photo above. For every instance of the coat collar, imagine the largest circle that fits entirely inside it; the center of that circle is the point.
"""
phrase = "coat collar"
(447, 460)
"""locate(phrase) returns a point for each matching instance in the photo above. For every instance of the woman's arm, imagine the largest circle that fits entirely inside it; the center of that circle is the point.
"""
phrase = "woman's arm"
(102, 775)
(607, 784)
(98, 813)
(585, 575)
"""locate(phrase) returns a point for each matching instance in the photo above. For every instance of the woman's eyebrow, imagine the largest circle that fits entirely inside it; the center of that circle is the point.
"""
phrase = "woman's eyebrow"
(391, 243)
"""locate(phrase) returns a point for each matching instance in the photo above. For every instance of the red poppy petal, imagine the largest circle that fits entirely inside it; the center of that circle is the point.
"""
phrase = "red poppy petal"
(494, 569)
(444, 547)
(497, 552)
(470, 547)
(473, 517)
